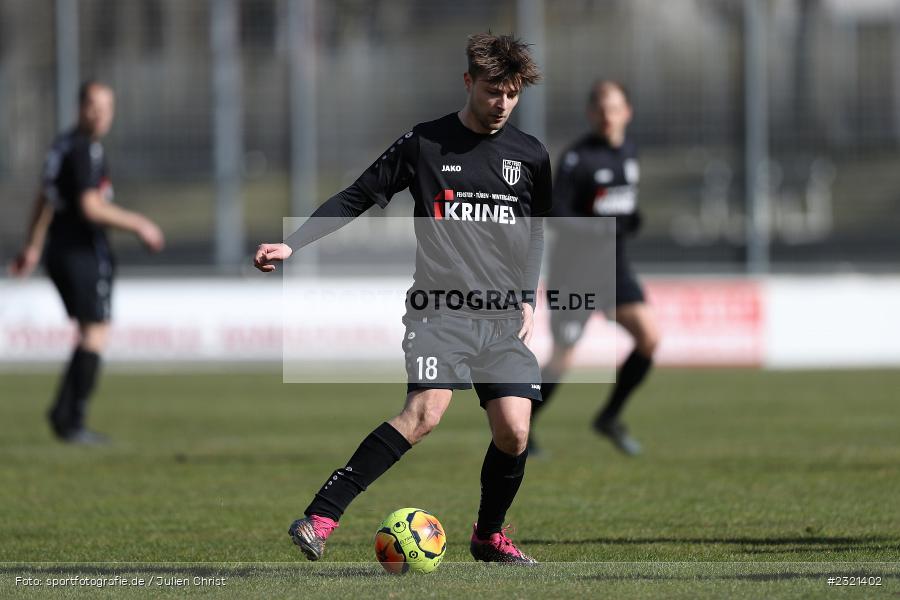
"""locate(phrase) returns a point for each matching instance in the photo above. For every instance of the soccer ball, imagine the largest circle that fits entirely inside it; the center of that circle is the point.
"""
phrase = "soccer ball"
(410, 539)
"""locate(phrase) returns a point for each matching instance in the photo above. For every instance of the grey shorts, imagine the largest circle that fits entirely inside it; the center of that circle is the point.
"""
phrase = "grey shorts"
(456, 352)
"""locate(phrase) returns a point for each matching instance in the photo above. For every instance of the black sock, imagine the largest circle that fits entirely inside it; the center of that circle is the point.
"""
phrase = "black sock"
(631, 374)
(74, 393)
(375, 455)
(501, 476)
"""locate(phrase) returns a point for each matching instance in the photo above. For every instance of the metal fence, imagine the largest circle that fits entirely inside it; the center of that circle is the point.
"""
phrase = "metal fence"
(234, 113)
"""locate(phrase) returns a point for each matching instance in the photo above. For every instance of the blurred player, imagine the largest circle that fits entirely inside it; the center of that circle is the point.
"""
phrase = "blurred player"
(598, 177)
(72, 211)
(466, 240)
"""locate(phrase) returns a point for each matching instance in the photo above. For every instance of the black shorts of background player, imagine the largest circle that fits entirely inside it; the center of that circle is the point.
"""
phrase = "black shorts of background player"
(71, 212)
(598, 177)
(478, 185)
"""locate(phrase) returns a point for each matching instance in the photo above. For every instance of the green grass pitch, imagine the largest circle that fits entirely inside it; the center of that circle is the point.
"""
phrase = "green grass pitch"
(753, 484)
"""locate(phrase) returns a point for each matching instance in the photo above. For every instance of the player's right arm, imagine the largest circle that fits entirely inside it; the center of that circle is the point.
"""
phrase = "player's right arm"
(334, 213)
(388, 175)
(268, 254)
(100, 212)
(96, 209)
(30, 255)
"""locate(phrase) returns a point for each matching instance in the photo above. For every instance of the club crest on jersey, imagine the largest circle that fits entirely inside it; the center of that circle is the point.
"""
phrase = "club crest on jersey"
(512, 171)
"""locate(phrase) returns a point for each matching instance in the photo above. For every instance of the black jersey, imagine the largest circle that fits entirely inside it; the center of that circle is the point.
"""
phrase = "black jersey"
(474, 195)
(596, 180)
(75, 163)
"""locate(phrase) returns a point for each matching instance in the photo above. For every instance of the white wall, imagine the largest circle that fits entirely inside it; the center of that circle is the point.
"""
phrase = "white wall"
(779, 322)
(848, 321)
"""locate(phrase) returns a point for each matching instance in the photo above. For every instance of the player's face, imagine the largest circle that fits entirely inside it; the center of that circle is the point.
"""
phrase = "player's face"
(491, 103)
(96, 114)
(610, 115)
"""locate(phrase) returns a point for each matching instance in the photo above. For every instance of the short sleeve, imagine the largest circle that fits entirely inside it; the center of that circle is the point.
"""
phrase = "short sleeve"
(87, 171)
(567, 187)
(391, 172)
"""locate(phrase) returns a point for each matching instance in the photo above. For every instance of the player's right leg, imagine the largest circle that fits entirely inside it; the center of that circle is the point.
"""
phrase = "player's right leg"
(567, 328)
(638, 320)
(560, 362)
(501, 475)
(376, 454)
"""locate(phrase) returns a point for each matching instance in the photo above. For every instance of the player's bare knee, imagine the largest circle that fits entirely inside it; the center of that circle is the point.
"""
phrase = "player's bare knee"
(421, 415)
(512, 440)
(647, 343)
(93, 336)
(560, 359)
(566, 358)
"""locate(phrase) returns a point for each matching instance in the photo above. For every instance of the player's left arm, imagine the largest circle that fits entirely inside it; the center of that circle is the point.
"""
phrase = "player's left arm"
(30, 255)
(541, 203)
(631, 224)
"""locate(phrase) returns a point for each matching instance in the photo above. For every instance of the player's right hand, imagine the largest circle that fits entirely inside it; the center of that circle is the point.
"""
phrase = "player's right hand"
(152, 236)
(268, 254)
(25, 262)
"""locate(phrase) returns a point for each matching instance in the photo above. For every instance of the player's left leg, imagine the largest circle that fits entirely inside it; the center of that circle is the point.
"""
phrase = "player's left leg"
(501, 475)
(638, 320)
(68, 413)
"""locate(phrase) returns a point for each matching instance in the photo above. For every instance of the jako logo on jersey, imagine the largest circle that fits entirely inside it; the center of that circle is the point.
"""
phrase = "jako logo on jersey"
(451, 168)
(446, 207)
(512, 170)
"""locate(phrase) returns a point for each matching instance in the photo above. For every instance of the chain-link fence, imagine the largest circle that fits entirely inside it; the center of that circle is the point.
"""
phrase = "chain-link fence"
(378, 67)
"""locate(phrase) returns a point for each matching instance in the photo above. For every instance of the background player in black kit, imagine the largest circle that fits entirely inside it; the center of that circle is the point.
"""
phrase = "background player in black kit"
(466, 242)
(71, 212)
(598, 177)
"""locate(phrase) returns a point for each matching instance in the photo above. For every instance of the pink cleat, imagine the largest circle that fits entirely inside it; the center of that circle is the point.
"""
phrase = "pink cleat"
(310, 534)
(498, 548)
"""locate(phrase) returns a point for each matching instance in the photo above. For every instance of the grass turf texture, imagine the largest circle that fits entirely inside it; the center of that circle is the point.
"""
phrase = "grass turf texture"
(753, 484)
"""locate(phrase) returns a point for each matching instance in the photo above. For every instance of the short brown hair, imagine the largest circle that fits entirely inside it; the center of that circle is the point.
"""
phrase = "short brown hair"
(501, 59)
(601, 86)
(84, 90)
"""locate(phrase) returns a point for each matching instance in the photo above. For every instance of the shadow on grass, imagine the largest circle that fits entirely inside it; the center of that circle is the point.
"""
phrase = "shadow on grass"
(138, 569)
(822, 576)
(869, 547)
(803, 542)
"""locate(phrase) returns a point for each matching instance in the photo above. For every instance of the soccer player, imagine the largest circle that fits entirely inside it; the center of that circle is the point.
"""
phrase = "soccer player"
(71, 212)
(598, 177)
(476, 182)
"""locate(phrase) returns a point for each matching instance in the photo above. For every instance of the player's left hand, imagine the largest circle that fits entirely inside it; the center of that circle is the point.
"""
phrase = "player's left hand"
(527, 324)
